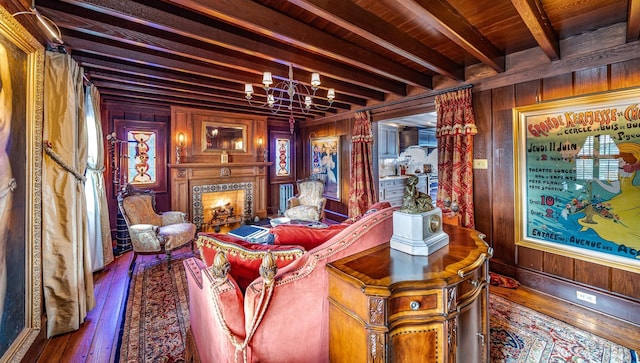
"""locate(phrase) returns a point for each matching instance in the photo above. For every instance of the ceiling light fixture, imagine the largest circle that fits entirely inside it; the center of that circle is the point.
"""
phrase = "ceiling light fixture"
(290, 94)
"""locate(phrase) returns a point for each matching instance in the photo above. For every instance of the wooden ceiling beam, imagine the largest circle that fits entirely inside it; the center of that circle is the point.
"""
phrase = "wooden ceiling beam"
(144, 59)
(442, 16)
(93, 62)
(633, 21)
(154, 44)
(269, 23)
(175, 97)
(260, 52)
(188, 90)
(536, 19)
(349, 16)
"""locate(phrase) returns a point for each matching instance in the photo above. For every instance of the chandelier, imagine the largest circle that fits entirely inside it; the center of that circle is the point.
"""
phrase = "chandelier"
(290, 94)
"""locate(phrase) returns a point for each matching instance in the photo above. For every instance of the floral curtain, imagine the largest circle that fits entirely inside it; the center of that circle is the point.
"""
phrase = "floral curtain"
(455, 129)
(97, 208)
(67, 278)
(361, 188)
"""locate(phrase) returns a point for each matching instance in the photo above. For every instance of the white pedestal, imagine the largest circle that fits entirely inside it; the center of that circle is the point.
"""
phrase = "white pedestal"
(418, 234)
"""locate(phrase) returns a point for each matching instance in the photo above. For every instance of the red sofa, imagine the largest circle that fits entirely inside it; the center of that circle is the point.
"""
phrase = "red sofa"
(287, 320)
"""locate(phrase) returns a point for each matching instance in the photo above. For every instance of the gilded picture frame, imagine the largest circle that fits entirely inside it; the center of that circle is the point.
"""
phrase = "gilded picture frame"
(21, 95)
(577, 185)
(325, 164)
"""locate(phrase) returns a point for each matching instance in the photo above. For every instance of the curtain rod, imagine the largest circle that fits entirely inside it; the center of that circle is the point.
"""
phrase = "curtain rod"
(416, 97)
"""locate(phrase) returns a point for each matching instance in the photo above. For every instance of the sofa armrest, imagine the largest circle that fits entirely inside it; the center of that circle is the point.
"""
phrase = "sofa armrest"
(173, 217)
(144, 238)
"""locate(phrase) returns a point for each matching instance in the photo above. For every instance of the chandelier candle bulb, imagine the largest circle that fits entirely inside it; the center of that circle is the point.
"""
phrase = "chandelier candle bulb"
(267, 80)
(248, 89)
(315, 79)
(331, 94)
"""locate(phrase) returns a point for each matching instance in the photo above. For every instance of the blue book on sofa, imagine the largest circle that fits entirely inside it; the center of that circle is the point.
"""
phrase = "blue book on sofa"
(249, 232)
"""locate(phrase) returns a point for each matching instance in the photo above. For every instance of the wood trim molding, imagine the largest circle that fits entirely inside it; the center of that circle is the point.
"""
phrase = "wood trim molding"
(607, 304)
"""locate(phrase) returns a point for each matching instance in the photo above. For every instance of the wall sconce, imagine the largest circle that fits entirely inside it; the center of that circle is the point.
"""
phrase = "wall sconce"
(181, 140)
(262, 153)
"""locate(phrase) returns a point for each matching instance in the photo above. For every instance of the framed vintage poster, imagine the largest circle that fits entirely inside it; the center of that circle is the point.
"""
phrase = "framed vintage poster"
(577, 180)
(21, 109)
(325, 164)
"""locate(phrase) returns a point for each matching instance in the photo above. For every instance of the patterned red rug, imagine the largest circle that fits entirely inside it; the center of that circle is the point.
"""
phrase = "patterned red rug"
(157, 322)
(519, 334)
(157, 315)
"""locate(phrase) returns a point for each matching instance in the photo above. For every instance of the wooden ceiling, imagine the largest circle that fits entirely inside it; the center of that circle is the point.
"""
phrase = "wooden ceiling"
(200, 53)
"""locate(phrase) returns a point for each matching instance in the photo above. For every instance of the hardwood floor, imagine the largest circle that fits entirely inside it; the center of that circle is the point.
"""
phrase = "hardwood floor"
(96, 340)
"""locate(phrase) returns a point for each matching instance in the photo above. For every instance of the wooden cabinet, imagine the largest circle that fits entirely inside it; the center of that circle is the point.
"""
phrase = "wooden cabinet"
(387, 141)
(389, 306)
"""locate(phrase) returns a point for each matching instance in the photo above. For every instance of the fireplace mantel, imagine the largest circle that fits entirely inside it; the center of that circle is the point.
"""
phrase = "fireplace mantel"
(185, 176)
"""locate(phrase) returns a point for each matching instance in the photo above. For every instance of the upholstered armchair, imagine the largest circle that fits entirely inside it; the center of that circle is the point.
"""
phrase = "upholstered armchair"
(152, 232)
(308, 205)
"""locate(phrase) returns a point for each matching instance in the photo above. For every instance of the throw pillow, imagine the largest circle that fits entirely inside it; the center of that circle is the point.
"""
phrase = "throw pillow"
(245, 258)
(305, 236)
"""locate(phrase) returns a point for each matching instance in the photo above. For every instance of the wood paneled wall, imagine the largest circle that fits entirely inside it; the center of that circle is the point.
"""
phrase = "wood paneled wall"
(112, 110)
(617, 291)
(337, 210)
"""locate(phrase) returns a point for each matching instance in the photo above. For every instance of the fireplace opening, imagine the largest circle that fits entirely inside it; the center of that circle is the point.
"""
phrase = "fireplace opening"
(217, 205)
(222, 208)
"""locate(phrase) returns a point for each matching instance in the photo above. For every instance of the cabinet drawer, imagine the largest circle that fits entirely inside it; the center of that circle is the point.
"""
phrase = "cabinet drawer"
(393, 193)
(410, 304)
(471, 284)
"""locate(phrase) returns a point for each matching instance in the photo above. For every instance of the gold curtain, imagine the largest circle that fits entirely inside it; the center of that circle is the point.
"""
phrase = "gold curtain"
(99, 228)
(67, 277)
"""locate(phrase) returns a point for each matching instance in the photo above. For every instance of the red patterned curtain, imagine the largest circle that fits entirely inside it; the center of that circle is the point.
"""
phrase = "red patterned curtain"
(361, 189)
(455, 130)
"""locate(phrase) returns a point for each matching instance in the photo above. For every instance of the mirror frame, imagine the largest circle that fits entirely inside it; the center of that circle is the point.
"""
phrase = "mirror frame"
(220, 125)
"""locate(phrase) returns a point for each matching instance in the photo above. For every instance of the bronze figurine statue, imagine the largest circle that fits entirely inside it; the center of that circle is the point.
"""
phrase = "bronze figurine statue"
(415, 201)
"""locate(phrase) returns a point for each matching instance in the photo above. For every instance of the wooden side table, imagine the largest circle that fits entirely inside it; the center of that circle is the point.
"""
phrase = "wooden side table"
(389, 306)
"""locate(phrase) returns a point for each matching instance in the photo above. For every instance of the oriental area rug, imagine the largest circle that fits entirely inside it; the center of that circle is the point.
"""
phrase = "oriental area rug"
(156, 326)
(520, 334)
(156, 320)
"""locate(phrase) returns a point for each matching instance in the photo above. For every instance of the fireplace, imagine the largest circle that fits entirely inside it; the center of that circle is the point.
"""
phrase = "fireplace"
(221, 204)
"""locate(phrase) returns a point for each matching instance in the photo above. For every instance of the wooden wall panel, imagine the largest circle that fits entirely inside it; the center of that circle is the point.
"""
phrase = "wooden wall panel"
(557, 87)
(482, 178)
(334, 209)
(530, 258)
(625, 74)
(110, 111)
(558, 265)
(502, 102)
(528, 93)
(625, 283)
(591, 80)
(592, 274)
